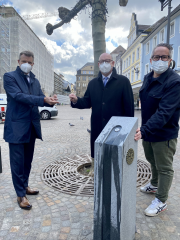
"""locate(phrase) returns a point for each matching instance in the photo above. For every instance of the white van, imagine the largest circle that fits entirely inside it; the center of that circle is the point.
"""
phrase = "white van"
(45, 112)
(3, 102)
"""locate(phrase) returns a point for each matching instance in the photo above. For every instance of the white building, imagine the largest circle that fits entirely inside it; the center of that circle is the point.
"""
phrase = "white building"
(16, 36)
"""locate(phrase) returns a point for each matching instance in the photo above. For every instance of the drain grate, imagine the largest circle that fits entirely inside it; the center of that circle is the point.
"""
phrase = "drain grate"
(64, 177)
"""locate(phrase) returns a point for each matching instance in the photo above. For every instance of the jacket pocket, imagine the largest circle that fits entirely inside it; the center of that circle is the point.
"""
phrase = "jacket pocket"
(154, 99)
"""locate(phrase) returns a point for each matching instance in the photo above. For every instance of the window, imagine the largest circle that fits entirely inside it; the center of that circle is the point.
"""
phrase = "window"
(137, 55)
(84, 78)
(162, 36)
(133, 57)
(126, 62)
(146, 69)
(79, 78)
(178, 56)
(147, 47)
(137, 73)
(172, 53)
(129, 61)
(172, 29)
(79, 84)
(128, 75)
(154, 41)
(132, 75)
(124, 65)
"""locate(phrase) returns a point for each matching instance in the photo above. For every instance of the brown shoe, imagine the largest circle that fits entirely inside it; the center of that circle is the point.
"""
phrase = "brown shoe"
(30, 191)
(24, 203)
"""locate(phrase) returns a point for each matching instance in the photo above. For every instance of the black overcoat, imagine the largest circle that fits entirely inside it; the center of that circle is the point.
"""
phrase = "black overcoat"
(115, 99)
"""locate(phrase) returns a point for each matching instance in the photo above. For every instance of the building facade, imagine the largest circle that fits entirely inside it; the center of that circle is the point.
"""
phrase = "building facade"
(133, 57)
(16, 36)
(58, 83)
(83, 77)
(159, 35)
(116, 56)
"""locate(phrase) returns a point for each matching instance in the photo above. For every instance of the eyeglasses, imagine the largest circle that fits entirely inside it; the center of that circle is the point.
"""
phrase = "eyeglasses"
(163, 57)
(106, 61)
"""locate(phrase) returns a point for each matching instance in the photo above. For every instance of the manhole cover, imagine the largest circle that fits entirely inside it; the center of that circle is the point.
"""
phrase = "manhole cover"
(64, 176)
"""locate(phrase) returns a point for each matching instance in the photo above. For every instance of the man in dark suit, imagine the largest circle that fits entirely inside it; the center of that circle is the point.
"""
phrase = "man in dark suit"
(109, 95)
(22, 124)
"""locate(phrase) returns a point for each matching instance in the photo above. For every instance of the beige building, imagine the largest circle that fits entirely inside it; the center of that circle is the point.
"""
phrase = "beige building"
(83, 77)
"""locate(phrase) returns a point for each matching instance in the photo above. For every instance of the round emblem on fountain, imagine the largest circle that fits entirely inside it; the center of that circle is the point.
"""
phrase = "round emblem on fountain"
(130, 156)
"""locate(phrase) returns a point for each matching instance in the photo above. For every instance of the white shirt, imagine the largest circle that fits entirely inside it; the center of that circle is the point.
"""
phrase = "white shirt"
(103, 77)
(28, 77)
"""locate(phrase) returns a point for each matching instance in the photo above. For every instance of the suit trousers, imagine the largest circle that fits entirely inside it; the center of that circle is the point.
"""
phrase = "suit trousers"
(21, 156)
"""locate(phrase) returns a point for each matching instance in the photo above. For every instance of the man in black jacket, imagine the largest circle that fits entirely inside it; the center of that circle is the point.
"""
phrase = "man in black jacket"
(109, 95)
(160, 107)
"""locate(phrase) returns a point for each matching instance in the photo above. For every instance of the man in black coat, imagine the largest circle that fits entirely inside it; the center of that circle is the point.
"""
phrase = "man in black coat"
(160, 109)
(109, 95)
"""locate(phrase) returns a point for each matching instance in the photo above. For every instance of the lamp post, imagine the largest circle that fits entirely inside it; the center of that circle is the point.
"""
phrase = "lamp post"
(165, 3)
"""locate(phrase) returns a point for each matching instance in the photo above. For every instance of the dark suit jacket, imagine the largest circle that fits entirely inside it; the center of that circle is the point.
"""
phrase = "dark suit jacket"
(115, 99)
(22, 111)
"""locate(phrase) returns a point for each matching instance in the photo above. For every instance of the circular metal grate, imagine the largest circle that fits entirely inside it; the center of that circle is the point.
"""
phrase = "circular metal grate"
(64, 176)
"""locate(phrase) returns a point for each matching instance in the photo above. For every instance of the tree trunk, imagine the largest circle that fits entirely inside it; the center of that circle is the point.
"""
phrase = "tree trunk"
(98, 30)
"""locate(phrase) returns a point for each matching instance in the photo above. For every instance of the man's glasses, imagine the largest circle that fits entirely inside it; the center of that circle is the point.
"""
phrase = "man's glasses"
(106, 61)
(163, 57)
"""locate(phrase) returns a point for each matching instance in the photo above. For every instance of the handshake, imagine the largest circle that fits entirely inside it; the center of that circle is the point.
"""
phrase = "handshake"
(51, 100)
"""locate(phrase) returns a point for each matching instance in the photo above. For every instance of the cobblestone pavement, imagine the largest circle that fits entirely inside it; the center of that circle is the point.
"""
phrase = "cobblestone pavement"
(60, 216)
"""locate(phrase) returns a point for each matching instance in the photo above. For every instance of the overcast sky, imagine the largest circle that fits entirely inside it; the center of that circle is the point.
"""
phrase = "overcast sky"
(71, 45)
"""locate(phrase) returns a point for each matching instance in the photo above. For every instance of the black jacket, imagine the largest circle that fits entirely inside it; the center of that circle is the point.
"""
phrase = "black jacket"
(115, 99)
(160, 107)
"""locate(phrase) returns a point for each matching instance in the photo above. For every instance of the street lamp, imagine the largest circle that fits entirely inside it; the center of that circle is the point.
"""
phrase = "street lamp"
(165, 3)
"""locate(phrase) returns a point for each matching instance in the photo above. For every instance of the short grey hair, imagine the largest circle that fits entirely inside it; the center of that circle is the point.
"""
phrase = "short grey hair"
(164, 45)
(27, 54)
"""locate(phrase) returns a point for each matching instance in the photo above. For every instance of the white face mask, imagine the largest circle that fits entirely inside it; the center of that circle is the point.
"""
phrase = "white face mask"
(26, 67)
(105, 67)
(159, 66)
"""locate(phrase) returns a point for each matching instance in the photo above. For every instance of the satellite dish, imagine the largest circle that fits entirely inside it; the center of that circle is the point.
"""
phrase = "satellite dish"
(172, 64)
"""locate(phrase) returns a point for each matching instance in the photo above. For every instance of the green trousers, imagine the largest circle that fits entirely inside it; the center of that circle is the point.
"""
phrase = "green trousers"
(160, 156)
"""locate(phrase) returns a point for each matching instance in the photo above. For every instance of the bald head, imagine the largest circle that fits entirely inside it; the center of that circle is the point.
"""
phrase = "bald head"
(105, 56)
(105, 64)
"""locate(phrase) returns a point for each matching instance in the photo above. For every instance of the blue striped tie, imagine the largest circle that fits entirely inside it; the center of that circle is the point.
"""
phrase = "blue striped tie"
(105, 81)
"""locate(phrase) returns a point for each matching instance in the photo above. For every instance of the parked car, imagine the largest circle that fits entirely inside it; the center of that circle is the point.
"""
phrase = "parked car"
(48, 112)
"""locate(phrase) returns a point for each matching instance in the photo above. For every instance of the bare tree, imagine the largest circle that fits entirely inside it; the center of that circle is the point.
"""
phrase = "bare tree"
(99, 11)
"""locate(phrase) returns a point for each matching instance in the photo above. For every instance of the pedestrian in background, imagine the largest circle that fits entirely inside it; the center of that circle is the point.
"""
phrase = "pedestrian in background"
(22, 124)
(160, 110)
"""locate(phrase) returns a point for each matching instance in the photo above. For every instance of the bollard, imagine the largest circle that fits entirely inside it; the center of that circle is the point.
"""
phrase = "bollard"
(115, 177)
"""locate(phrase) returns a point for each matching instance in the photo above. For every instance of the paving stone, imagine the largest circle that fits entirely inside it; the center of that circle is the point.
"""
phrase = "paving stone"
(56, 215)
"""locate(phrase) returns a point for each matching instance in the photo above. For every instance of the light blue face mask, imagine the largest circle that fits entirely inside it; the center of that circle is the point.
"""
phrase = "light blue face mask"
(159, 66)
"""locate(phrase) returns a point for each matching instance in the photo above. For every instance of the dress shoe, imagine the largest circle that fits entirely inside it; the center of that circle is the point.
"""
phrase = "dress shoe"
(30, 191)
(24, 203)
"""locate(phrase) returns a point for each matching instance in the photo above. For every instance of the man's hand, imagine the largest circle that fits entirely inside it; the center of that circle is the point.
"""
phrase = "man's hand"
(55, 97)
(138, 135)
(73, 98)
(51, 100)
